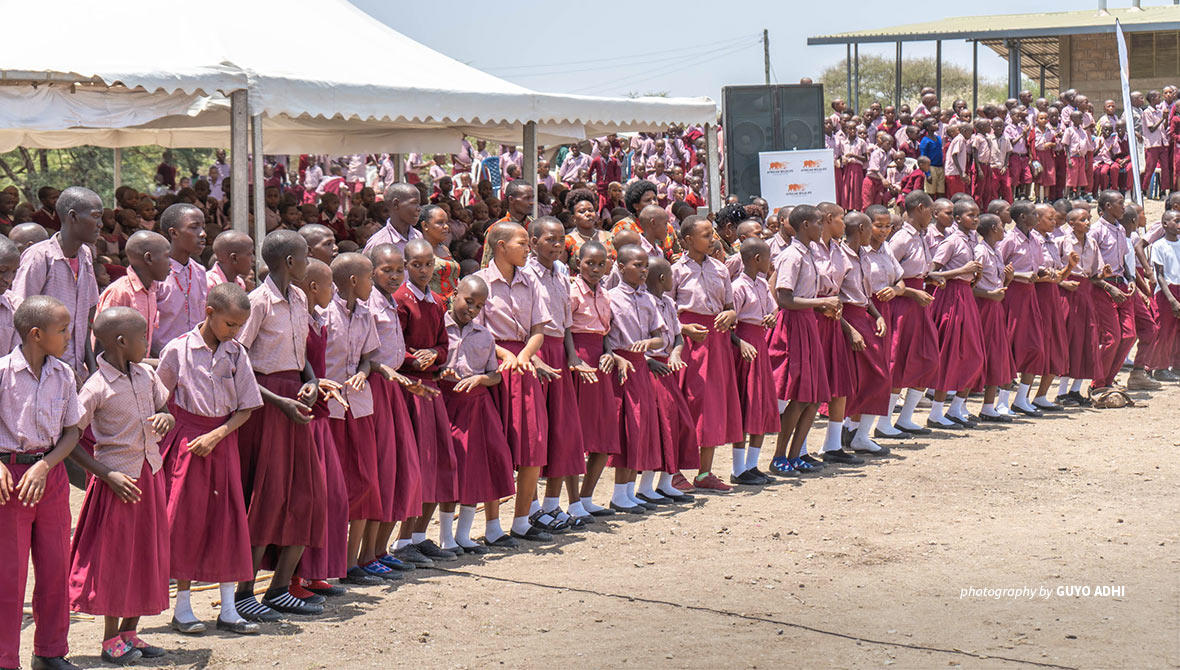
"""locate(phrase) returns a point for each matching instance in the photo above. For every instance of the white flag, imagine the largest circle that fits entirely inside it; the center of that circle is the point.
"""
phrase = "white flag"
(1128, 118)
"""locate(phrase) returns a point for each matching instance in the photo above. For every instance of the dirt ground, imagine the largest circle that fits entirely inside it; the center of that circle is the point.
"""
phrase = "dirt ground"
(857, 567)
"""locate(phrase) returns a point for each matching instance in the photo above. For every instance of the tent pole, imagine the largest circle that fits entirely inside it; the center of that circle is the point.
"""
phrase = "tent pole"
(239, 132)
(399, 168)
(259, 186)
(118, 167)
(713, 169)
(530, 159)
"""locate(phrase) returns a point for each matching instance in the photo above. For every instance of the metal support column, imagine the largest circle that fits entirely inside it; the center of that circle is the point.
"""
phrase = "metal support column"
(530, 159)
(239, 146)
(856, 77)
(713, 169)
(938, 70)
(897, 78)
(1042, 94)
(259, 187)
(848, 69)
(118, 167)
(974, 76)
(1014, 53)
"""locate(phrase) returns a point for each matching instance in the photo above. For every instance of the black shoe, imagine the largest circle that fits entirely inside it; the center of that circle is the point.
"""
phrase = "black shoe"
(994, 418)
(878, 435)
(187, 627)
(605, 511)
(1034, 413)
(502, 542)
(328, 592)
(52, 663)
(678, 497)
(815, 462)
(950, 425)
(966, 423)
(1067, 400)
(747, 478)
(1051, 407)
(358, 577)
(657, 501)
(151, 651)
(434, 552)
(1082, 400)
(766, 479)
(475, 549)
(842, 457)
(913, 431)
(410, 554)
(241, 627)
(628, 510)
(1165, 375)
(533, 534)
(126, 659)
(288, 604)
(556, 526)
(882, 450)
(250, 609)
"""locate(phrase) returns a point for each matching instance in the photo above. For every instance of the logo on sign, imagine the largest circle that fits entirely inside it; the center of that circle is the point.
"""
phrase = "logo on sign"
(777, 166)
(810, 163)
(813, 165)
(797, 189)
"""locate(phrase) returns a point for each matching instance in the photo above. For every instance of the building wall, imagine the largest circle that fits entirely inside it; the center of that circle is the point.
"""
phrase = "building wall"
(1090, 64)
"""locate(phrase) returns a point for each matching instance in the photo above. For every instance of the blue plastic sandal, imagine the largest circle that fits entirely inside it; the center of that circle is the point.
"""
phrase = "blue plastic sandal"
(781, 466)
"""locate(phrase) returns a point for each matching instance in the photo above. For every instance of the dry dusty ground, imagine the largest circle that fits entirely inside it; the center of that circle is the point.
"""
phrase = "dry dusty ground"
(861, 567)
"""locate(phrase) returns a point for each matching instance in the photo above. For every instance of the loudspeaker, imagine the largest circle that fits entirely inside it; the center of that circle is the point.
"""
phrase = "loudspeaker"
(767, 118)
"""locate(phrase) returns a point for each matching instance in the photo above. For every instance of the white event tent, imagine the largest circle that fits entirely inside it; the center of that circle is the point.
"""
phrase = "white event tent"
(134, 72)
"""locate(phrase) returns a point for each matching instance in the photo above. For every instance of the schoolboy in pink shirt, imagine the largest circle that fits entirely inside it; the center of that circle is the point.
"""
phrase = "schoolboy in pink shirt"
(181, 300)
(233, 253)
(147, 256)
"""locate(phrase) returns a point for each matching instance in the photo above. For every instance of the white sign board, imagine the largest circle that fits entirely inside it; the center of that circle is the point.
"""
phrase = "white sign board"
(802, 177)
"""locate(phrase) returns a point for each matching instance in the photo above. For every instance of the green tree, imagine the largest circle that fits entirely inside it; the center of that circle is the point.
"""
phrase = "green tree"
(877, 80)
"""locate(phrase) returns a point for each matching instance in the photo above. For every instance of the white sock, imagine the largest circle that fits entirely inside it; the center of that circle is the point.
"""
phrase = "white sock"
(534, 506)
(936, 411)
(850, 424)
(1062, 385)
(229, 612)
(184, 605)
(400, 543)
(418, 538)
(885, 425)
(665, 486)
(1077, 386)
(832, 436)
(631, 494)
(446, 529)
(492, 530)
(463, 531)
(1042, 401)
(1002, 403)
(1021, 397)
(893, 398)
(521, 525)
(989, 409)
(576, 509)
(551, 504)
(589, 506)
(958, 409)
(620, 498)
(739, 460)
(645, 484)
(861, 440)
(906, 418)
(752, 456)
(803, 449)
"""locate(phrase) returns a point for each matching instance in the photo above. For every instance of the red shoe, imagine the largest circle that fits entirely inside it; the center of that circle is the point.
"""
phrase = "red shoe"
(681, 483)
(710, 482)
(297, 589)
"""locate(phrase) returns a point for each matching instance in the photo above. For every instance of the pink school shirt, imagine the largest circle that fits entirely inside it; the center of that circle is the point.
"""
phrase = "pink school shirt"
(878, 160)
(830, 265)
(275, 335)
(216, 277)
(1111, 240)
(1075, 142)
(1043, 137)
(35, 411)
(117, 406)
(982, 148)
(390, 235)
(1022, 252)
(956, 157)
(514, 305)
(669, 322)
(181, 300)
(880, 267)
(911, 250)
(391, 349)
(1089, 264)
(349, 336)
(9, 339)
(207, 382)
(854, 290)
(589, 308)
(44, 270)
(129, 291)
(955, 251)
(471, 349)
(1050, 257)
(554, 284)
(751, 299)
(703, 288)
(796, 271)
(1153, 115)
(1018, 137)
(635, 316)
(573, 166)
(992, 277)
(778, 245)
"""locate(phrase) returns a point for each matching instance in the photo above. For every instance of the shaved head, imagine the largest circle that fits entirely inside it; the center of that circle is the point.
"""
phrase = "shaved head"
(227, 297)
(76, 198)
(280, 245)
(26, 234)
(400, 191)
(172, 216)
(318, 272)
(473, 286)
(632, 252)
(349, 265)
(315, 231)
(754, 246)
(418, 247)
(382, 252)
(37, 311)
(231, 242)
(501, 232)
(114, 322)
(146, 241)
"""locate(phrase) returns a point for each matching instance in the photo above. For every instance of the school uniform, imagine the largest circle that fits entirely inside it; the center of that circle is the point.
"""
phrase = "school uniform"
(1116, 321)
(129, 291)
(216, 276)
(1052, 306)
(390, 235)
(634, 317)
(982, 186)
(481, 448)
(913, 346)
(1146, 321)
(44, 270)
(832, 266)
(282, 479)
(956, 317)
(330, 560)
(701, 291)
(567, 453)
(1081, 327)
(209, 536)
(856, 154)
(119, 559)
(1167, 350)
(399, 472)
(1106, 171)
(421, 317)
(32, 418)
(872, 186)
(837, 143)
(752, 302)
(1045, 155)
(9, 339)
(1026, 328)
(998, 367)
(1001, 178)
(590, 321)
(181, 300)
(512, 309)
(1155, 145)
(1018, 159)
(796, 352)
(1076, 145)
(870, 368)
(955, 165)
(677, 425)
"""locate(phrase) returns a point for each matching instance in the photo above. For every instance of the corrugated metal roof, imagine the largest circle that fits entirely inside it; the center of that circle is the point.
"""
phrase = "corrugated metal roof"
(1044, 24)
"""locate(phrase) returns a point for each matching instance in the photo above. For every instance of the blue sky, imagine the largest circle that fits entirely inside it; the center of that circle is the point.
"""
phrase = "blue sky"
(687, 47)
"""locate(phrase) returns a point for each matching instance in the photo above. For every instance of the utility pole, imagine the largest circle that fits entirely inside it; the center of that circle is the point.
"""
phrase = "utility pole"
(766, 54)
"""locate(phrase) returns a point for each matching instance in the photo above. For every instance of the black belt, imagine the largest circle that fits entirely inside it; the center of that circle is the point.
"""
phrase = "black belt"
(21, 459)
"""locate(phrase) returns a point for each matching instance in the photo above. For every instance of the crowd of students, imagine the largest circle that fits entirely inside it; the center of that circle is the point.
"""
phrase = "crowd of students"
(315, 417)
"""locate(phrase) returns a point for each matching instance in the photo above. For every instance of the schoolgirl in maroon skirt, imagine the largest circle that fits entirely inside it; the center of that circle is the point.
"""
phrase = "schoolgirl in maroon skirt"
(994, 277)
(1081, 322)
(833, 267)
(883, 278)
(1026, 333)
(1053, 308)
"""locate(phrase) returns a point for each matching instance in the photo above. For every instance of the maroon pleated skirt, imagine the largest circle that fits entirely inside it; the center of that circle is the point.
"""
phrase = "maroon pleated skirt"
(521, 402)
(282, 479)
(1026, 330)
(356, 446)
(960, 336)
(209, 536)
(399, 474)
(756, 383)
(710, 384)
(484, 459)
(329, 561)
(1049, 299)
(797, 357)
(567, 451)
(596, 402)
(837, 355)
(676, 424)
(998, 368)
(870, 368)
(1081, 330)
(119, 558)
(913, 345)
(436, 449)
(638, 419)
(1167, 342)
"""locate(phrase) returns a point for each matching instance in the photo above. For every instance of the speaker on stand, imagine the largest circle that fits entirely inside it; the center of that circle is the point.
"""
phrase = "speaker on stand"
(767, 118)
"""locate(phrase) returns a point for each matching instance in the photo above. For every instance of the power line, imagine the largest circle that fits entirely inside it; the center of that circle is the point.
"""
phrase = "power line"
(631, 57)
